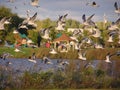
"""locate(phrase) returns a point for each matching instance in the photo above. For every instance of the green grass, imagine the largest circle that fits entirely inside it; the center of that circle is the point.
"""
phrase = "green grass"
(91, 54)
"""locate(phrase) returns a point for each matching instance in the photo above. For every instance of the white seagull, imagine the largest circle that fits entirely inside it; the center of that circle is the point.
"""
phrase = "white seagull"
(93, 4)
(111, 35)
(4, 21)
(35, 3)
(114, 25)
(46, 60)
(108, 56)
(117, 9)
(32, 58)
(53, 51)
(61, 22)
(96, 33)
(28, 22)
(45, 32)
(88, 21)
(81, 55)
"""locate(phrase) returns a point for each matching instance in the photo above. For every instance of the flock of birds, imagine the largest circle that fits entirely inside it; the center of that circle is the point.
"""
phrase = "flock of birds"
(88, 24)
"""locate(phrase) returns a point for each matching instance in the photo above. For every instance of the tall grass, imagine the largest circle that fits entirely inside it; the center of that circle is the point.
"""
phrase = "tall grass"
(70, 78)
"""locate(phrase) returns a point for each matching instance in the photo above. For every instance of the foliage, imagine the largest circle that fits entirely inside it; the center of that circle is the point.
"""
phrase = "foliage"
(77, 79)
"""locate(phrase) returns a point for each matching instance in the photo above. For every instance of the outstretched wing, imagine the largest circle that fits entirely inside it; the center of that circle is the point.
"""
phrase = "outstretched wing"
(60, 17)
(116, 6)
(90, 17)
(3, 20)
(65, 15)
(33, 17)
(84, 18)
(118, 21)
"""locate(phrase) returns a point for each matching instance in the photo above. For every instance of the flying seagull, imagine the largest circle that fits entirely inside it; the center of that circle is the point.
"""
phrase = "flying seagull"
(61, 22)
(88, 21)
(93, 4)
(108, 56)
(35, 3)
(117, 9)
(4, 21)
(28, 22)
(114, 25)
(45, 32)
(81, 55)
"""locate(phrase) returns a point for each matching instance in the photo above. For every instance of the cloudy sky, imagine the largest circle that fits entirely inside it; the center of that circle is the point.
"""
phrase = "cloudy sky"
(75, 9)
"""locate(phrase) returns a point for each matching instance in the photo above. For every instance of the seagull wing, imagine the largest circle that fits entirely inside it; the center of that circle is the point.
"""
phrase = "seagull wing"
(3, 20)
(43, 31)
(33, 17)
(90, 17)
(84, 18)
(65, 15)
(118, 21)
(60, 17)
(112, 54)
(116, 6)
(94, 3)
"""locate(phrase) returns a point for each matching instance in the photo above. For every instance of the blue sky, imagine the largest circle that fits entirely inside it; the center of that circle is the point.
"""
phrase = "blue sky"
(75, 9)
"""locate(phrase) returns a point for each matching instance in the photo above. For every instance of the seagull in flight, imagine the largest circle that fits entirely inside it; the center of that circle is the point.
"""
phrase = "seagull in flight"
(114, 25)
(35, 3)
(45, 32)
(4, 21)
(28, 22)
(88, 21)
(93, 4)
(117, 9)
(61, 22)
(108, 56)
(81, 55)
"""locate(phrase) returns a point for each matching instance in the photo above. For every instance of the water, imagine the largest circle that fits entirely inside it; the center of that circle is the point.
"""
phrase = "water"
(22, 65)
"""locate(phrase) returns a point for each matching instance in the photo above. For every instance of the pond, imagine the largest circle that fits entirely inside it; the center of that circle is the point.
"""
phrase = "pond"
(22, 65)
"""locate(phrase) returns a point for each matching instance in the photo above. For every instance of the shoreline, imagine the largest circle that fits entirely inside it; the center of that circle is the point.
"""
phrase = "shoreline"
(91, 54)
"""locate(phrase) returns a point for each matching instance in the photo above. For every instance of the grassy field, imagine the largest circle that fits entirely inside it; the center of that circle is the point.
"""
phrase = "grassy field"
(91, 54)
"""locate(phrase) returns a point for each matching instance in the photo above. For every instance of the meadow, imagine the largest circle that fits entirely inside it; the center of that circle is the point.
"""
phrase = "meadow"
(91, 54)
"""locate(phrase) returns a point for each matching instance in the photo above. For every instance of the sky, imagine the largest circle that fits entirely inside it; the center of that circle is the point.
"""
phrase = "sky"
(74, 8)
